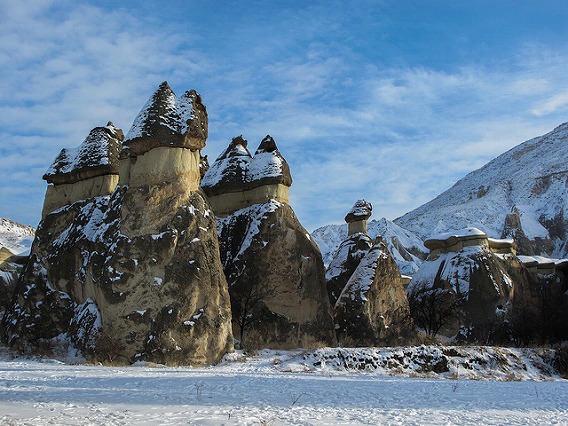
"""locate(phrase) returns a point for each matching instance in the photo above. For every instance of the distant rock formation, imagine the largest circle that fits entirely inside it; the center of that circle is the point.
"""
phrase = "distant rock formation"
(357, 217)
(274, 269)
(467, 286)
(88, 171)
(365, 287)
(134, 275)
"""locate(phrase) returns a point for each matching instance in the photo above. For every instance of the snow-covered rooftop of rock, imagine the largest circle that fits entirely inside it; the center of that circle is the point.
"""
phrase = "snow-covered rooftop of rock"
(361, 210)
(165, 109)
(99, 151)
(169, 121)
(235, 169)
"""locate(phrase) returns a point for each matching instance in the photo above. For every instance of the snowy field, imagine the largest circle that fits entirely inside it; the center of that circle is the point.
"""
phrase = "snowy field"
(272, 388)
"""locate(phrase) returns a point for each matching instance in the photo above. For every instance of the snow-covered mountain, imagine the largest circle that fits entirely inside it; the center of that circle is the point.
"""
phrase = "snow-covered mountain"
(15, 237)
(406, 247)
(521, 194)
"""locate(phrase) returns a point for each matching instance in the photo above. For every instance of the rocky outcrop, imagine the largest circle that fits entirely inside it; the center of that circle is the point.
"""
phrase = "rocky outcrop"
(372, 309)
(467, 285)
(344, 263)
(365, 287)
(274, 270)
(237, 179)
(87, 171)
(134, 275)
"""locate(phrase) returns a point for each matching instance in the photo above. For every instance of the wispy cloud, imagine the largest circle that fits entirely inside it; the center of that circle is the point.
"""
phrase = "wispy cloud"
(352, 116)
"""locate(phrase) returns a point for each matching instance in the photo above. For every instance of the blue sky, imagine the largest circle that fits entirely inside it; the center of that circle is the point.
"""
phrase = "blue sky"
(391, 101)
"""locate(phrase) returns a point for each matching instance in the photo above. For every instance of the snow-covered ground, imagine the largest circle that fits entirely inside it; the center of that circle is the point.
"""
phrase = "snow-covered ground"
(281, 388)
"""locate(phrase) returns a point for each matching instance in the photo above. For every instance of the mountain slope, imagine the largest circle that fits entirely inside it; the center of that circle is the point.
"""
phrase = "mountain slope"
(522, 194)
(15, 237)
(406, 247)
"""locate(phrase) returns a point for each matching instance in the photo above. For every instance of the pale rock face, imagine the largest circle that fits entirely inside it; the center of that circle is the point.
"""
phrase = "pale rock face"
(135, 275)
(373, 309)
(276, 279)
(358, 216)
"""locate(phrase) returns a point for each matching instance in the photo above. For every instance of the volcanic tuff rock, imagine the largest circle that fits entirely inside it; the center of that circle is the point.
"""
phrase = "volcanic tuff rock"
(134, 275)
(406, 247)
(237, 179)
(373, 309)
(521, 194)
(473, 280)
(87, 171)
(274, 269)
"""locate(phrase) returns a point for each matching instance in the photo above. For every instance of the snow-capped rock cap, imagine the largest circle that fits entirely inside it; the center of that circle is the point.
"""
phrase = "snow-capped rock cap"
(448, 239)
(229, 171)
(96, 156)
(169, 121)
(268, 166)
(361, 210)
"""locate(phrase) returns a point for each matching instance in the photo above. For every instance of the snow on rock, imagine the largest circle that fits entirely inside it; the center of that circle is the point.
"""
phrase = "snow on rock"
(275, 277)
(406, 247)
(528, 181)
(464, 277)
(361, 210)
(170, 121)
(372, 308)
(96, 156)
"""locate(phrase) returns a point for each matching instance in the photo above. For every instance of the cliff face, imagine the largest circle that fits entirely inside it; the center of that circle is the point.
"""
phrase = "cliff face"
(134, 275)
(274, 270)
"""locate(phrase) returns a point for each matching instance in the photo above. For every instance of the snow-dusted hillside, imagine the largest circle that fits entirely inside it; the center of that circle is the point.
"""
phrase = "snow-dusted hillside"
(406, 247)
(15, 237)
(532, 177)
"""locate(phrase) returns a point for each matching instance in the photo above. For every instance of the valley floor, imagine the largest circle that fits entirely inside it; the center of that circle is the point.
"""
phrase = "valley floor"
(276, 388)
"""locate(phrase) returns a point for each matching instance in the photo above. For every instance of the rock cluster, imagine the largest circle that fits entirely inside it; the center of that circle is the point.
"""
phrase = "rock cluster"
(130, 274)
(274, 270)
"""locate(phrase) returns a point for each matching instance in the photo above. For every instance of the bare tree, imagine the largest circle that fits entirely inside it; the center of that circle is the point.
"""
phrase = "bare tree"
(434, 308)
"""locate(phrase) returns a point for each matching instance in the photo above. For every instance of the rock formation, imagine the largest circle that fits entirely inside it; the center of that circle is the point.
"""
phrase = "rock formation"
(357, 217)
(88, 171)
(134, 275)
(365, 287)
(467, 285)
(274, 269)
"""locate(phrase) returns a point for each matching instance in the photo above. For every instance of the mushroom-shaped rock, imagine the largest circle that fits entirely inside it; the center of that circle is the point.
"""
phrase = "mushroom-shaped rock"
(87, 171)
(238, 180)
(464, 284)
(168, 121)
(164, 142)
(357, 217)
